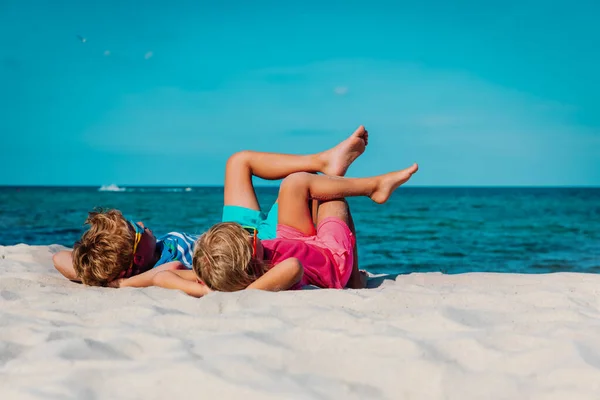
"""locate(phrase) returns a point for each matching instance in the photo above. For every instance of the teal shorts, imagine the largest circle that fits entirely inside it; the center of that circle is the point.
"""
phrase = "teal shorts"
(266, 224)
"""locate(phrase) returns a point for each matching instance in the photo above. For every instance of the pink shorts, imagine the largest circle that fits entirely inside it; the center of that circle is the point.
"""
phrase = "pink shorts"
(333, 235)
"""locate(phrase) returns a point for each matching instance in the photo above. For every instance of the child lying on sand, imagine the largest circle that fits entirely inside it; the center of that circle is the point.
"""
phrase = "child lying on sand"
(115, 248)
(230, 256)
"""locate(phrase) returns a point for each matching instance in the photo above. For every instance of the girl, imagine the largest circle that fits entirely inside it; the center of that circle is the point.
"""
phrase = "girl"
(230, 256)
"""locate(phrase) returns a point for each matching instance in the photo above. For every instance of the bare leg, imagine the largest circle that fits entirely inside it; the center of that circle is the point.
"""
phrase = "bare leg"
(314, 209)
(239, 190)
(341, 210)
(358, 278)
(298, 188)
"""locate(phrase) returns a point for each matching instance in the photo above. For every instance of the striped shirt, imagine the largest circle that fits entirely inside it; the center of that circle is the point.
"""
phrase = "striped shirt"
(176, 246)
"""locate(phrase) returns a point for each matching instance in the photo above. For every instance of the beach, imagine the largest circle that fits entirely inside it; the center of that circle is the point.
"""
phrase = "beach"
(414, 336)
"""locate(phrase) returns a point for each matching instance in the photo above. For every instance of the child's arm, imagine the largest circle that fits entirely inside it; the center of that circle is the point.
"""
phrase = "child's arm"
(181, 280)
(281, 277)
(145, 279)
(63, 262)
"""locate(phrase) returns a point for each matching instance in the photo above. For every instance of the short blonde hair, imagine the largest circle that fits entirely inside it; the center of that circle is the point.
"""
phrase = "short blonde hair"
(105, 249)
(223, 258)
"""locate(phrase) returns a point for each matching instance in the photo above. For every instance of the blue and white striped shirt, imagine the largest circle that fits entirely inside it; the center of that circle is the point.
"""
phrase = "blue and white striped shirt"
(176, 246)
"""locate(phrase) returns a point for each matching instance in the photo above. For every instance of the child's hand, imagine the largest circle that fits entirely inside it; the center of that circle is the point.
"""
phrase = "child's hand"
(206, 288)
(145, 278)
(181, 280)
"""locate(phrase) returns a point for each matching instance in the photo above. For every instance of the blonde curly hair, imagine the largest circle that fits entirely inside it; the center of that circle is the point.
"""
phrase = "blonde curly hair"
(223, 258)
(105, 249)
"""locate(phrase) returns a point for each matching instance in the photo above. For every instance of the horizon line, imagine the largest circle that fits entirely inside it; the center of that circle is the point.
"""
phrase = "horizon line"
(274, 186)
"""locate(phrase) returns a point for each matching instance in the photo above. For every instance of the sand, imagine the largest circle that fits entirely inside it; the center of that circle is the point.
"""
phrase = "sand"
(417, 336)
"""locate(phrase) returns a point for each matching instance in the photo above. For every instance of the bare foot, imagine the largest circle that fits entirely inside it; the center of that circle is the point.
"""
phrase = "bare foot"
(337, 160)
(389, 182)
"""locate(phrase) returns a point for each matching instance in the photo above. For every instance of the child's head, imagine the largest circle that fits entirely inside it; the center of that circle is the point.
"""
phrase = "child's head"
(112, 248)
(228, 258)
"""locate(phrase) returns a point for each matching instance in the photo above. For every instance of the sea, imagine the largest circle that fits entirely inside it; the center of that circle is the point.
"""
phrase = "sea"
(450, 230)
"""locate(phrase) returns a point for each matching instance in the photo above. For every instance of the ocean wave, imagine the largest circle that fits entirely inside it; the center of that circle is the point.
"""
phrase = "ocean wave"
(111, 188)
(115, 188)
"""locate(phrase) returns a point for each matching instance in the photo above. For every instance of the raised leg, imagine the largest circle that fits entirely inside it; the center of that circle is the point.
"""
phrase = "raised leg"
(239, 190)
(298, 188)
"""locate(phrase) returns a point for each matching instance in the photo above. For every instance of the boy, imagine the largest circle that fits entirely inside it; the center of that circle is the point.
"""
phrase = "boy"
(110, 251)
(114, 247)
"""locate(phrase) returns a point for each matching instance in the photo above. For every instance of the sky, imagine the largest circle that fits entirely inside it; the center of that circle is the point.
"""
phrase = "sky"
(494, 93)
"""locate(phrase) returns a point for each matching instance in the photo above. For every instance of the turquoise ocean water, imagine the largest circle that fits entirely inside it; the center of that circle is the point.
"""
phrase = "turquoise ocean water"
(452, 230)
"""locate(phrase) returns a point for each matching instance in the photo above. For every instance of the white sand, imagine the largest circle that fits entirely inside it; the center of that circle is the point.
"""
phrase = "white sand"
(420, 336)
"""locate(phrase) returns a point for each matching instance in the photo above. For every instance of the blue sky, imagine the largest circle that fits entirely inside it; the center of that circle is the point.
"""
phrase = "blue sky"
(479, 93)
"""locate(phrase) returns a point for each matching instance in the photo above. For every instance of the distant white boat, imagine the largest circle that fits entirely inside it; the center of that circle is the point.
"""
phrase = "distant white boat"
(188, 189)
(111, 188)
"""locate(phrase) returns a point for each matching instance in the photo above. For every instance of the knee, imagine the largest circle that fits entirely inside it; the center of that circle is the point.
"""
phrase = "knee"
(295, 182)
(238, 160)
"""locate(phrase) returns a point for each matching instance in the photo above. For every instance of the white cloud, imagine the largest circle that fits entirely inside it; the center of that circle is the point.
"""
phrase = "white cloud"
(340, 90)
